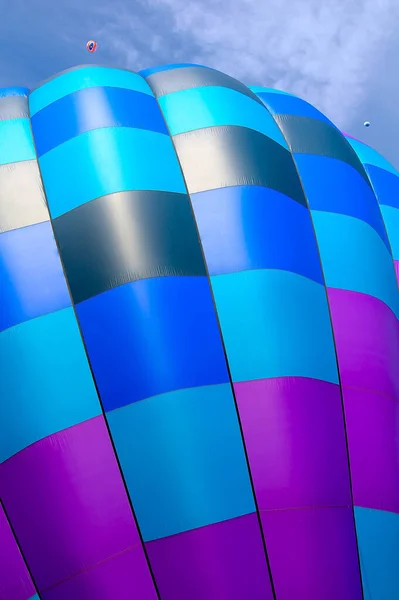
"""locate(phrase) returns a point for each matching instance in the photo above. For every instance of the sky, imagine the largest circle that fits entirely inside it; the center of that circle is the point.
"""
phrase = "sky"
(340, 55)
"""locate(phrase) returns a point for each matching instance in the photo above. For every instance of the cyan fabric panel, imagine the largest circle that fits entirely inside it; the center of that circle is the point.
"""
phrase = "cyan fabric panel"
(46, 384)
(378, 535)
(355, 258)
(275, 324)
(101, 160)
(183, 460)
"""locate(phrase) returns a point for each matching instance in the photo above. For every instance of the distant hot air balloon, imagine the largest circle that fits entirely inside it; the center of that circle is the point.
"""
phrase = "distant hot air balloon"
(199, 344)
(366, 123)
(91, 46)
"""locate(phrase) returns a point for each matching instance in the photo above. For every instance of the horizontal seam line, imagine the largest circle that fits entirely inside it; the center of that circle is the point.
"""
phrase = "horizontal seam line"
(329, 287)
(375, 392)
(297, 508)
(100, 562)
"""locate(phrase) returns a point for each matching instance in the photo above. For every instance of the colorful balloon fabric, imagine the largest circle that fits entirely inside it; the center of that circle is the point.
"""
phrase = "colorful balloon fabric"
(199, 344)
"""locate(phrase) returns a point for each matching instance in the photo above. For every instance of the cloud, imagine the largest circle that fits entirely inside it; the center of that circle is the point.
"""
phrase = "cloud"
(324, 51)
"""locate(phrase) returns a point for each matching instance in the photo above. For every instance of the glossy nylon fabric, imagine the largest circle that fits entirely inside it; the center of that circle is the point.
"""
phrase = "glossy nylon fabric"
(199, 343)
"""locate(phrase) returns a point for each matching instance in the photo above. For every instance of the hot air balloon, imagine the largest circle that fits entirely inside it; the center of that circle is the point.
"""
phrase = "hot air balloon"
(366, 123)
(199, 344)
(91, 46)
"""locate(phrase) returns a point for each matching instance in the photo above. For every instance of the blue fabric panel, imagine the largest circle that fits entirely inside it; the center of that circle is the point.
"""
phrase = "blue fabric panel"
(334, 186)
(378, 538)
(183, 460)
(275, 324)
(391, 219)
(46, 384)
(285, 104)
(94, 108)
(32, 282)
(16, 142)
(152, 336)
(79, 79)
(385, 184)
(108, 160)
(13, 91)
(369, 156)
(243, 228)
(152, 70)
(212, 106)
(354, 258)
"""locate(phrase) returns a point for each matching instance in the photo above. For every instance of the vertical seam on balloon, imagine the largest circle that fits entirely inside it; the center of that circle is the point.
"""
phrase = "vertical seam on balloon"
(35, 586)
(335, 348)
(104, 414)
(224, 350)
(34, 583)
(376, 198)
(382, 218)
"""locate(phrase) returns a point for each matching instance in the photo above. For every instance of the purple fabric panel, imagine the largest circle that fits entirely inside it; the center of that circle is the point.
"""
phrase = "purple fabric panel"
(396, 262)
(367, 340)
(373, 435)
(67, 503)
(313, 554)
(295, 438)
(15, 582)
(124, 577)
(224, 561)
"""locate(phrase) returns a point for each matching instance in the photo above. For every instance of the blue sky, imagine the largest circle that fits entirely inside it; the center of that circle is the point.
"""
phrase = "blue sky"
(340, 55)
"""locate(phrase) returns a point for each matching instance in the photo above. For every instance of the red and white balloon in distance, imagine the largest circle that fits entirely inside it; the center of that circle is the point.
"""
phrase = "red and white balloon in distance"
(91, 46)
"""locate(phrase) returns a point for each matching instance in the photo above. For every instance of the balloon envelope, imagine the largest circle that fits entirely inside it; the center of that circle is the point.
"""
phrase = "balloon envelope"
(199, 344)
(91, 46)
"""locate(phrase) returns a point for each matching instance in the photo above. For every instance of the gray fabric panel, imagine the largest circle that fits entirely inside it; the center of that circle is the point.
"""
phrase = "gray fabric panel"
(312, 136)
(184, 78)
(22, 200)
(14, 107)
(123, 237)
(218, 157)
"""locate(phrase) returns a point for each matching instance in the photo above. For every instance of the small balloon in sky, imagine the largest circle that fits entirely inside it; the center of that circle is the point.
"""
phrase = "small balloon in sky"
(366, 123)
(91, 46)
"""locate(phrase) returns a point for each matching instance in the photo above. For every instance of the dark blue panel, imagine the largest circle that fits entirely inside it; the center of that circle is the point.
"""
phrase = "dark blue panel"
(93, 108)
(244, 228)
(32, 282)
(334, 186)
(152, 336)
(385, 184)
(285, 104)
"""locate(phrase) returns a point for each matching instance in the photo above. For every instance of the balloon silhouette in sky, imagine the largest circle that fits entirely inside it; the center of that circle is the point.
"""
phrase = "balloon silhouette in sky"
(91, 46)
